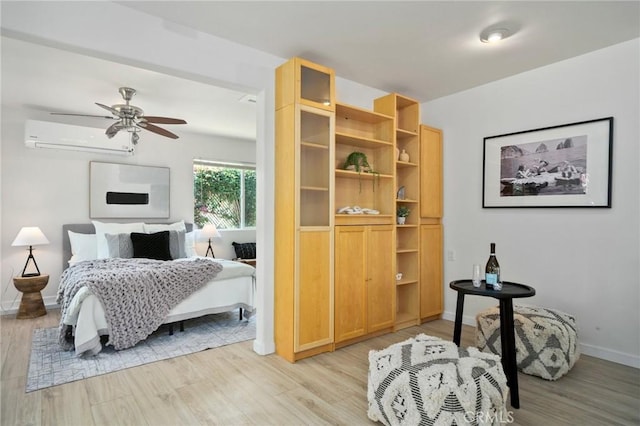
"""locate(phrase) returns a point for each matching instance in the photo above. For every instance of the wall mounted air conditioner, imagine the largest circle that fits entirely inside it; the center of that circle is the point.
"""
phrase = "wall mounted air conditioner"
(46, 134)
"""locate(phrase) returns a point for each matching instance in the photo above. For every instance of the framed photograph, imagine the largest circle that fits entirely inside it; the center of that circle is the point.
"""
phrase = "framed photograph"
(128, 191)
(560, 166)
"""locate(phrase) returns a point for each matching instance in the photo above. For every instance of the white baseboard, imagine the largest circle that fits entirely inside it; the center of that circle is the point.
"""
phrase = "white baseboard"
(591, 350)
(262, 348)
(50, 302)
(12, 309)
(610, 355)
(466, 319)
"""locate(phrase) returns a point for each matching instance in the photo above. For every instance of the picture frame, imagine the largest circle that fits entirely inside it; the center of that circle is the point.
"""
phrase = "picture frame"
(569, 165)
(126, 191)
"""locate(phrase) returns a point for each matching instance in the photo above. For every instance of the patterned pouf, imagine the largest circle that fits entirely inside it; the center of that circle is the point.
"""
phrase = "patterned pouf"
(430, 381)
(546, 339)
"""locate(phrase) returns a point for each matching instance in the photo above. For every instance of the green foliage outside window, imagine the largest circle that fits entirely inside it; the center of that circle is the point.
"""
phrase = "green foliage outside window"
(218, 196)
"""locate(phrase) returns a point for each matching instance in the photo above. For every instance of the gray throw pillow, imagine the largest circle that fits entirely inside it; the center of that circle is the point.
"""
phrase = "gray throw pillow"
(119, 245)
(176, 244)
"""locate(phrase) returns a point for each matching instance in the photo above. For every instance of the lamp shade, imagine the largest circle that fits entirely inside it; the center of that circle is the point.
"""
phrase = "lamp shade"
(30, 236)
(210, 231)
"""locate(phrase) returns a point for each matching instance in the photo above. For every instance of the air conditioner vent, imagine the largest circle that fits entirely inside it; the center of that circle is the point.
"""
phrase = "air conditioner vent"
(51, 135)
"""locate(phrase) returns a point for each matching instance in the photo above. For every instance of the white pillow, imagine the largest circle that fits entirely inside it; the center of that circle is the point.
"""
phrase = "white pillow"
(190, 244)
(112, 228)
(83, 247)
(151, 228)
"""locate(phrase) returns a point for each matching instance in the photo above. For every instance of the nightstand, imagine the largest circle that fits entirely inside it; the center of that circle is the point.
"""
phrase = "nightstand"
(31, 305)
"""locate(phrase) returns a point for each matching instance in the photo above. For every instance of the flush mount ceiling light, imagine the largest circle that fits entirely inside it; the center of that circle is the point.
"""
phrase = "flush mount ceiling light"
(492, 34)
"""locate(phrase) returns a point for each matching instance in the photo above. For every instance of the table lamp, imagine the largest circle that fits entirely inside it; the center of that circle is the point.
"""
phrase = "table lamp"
(30, 236)
(210, 231)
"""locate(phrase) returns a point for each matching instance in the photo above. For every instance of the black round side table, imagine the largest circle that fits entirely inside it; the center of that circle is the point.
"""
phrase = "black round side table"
(505, 296)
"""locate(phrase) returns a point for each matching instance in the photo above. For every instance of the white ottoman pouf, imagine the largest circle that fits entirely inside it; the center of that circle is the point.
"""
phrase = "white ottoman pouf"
(546, 339)
(427, 380)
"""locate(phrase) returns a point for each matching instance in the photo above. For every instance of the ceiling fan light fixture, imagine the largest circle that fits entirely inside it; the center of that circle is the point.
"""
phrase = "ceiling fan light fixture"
(493, 35)
(131, 118)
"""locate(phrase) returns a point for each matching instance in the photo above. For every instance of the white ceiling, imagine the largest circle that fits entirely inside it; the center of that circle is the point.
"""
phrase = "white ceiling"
(424, 50)
(45, 79)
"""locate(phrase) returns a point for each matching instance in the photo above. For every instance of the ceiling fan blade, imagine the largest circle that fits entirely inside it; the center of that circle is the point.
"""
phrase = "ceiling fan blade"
(114, 129)
(84, 115)
(163, 120)
(108, 108)
(158, 130)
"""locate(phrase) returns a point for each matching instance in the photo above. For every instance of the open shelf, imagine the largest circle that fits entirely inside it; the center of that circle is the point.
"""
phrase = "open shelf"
(408, 305)
(352, 113)
(402, 164)
(356, 125)
(372, 134)
(360, 141)
(403, 134)
(405, 282)
(350, 174)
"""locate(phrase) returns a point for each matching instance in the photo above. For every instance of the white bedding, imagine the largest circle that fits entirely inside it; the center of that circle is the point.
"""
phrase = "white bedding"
(233, 287)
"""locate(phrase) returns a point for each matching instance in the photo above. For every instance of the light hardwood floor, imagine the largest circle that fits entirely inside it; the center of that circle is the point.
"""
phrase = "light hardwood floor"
(234, 386)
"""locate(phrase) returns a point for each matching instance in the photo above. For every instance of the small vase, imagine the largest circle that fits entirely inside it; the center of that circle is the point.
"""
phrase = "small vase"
(404, 156)
(397, 154)
(401, 220)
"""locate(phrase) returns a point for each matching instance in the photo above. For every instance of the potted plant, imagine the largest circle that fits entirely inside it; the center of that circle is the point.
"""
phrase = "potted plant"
(357, 161)
(402, 213)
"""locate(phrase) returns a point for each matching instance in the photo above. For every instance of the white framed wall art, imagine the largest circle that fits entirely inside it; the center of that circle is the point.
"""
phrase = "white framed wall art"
(128, 191)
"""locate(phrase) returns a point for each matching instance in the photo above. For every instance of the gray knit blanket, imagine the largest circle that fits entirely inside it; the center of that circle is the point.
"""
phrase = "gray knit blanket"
(136, 294)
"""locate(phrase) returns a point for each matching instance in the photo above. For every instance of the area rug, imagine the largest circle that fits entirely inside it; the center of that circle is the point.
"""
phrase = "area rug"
(49, 365)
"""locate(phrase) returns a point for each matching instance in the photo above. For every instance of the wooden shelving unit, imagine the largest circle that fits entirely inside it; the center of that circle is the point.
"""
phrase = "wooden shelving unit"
(406, 113)
(305, 105)
(335, 273)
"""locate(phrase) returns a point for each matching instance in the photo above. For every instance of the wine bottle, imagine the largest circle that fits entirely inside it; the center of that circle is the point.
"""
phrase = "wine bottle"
(492, 270)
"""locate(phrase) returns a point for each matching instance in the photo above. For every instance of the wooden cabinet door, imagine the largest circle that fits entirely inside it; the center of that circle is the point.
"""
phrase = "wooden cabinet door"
(431, 302)
(380, 277)
(313, 306)
(350, 276)
(430, 172)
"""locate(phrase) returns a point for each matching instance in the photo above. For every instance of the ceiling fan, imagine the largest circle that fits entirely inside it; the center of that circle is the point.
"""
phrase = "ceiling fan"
(131, 118)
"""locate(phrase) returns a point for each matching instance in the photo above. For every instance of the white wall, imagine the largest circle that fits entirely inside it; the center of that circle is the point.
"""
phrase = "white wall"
(583, 261)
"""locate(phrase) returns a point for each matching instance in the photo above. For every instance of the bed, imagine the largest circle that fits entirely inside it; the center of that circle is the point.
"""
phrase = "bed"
(232, 288)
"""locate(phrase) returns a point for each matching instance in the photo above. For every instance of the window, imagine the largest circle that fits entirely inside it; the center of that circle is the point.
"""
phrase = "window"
(224, 194)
